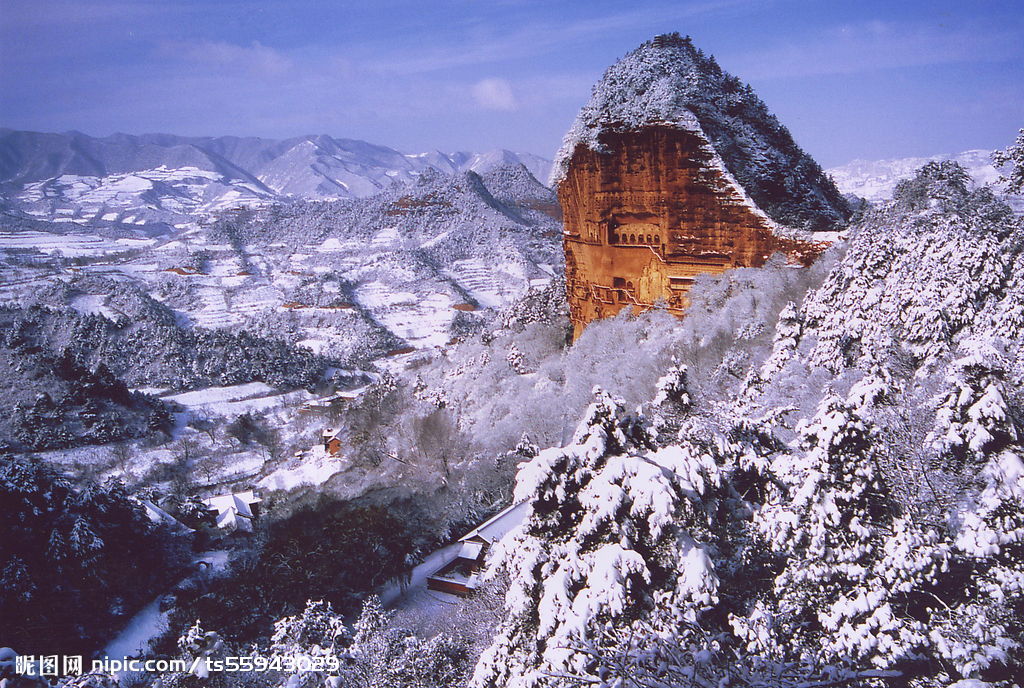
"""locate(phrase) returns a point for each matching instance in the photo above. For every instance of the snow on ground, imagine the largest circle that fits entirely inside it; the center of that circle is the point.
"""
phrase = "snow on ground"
(226, 267)
(482, 281)
(150, 622)
(143, 195)
(260, 404)
(214, 395)
(316, 468)
(217, 311)
(69, 245)
(420, 320)
(93, 304)
(330, 245)
(238, 399)
(377, 295)
(386, 238)
(240, 466)
(134, 639)
(317, 346)
(257, 299)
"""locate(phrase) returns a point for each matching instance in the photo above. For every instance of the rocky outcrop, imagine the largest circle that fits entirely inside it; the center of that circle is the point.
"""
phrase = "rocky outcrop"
(649, 184)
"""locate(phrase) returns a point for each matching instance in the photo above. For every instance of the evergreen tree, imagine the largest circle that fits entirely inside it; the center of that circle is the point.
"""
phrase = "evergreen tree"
(1013, 156)
(73, 559)
(617, 532)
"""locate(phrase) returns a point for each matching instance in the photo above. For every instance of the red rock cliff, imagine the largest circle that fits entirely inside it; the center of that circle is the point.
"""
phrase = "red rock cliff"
(674, 168)
(642, 220)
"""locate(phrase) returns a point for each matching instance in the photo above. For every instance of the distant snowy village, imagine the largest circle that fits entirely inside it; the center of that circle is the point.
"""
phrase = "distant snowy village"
(677, 408)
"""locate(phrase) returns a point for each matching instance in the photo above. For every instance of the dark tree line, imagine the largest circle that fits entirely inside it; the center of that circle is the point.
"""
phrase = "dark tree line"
(158, 353)
(329, 550)
(54, 402)
(74, 563)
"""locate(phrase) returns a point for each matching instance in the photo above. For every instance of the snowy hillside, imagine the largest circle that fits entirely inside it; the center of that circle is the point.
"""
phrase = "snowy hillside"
(804, 515)
(159, 178)
(142, 197)
(418, 261)
(417, 266)
(344, 247)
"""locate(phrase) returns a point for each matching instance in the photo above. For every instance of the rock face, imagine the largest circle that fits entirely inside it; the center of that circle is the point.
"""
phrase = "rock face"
(672, 169)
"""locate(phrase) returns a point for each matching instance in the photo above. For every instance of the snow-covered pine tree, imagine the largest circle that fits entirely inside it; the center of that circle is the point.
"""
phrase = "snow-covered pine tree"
(1014, 157)
(973, 420)
(195, 643)
(979, 625)
(317, 631)
(840, 596)
(787, 337)
(919, 272)
(384, 656)
(619, 536)
(671, 403)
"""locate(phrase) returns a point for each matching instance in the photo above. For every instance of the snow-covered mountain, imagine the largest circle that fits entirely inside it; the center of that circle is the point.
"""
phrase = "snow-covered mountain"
(670, 83)
(414, 266)
(156, 178)
(875, 180)
(415, 262)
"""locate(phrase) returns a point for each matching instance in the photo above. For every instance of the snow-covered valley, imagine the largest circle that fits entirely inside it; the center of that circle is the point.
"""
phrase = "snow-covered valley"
(273, 397)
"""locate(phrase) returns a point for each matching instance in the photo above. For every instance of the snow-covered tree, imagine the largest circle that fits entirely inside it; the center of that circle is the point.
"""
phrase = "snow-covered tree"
(919, 273)
(617, 532)
(384, 656)
(671, 403)
(515, 359)
(787, 339)
(979, 627)
(318, 630)
(978, 438)
(1013, 156)
(836, 598)
(973, 420)
(195, 642)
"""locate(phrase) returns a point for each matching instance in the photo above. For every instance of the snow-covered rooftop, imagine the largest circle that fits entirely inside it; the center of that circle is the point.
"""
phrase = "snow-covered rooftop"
(230, 507)
(500, 524)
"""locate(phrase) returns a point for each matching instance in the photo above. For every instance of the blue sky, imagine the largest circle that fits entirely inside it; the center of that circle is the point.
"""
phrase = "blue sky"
(850, 79)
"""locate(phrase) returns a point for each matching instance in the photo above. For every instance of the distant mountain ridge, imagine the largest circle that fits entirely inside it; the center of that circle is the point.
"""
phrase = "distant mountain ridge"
(875, 180)
(141, 179)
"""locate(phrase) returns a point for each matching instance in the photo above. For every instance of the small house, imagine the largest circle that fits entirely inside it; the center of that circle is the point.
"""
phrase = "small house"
(459, 575)
(332, 441)
(235, 512)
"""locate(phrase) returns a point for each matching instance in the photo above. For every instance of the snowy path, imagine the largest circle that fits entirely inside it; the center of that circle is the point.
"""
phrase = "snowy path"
(134, 640)
(149, 622)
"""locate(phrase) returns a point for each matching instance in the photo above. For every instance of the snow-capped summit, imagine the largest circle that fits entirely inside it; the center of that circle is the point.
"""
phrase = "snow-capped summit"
(155, 178)
(668, 83)
(674, 169)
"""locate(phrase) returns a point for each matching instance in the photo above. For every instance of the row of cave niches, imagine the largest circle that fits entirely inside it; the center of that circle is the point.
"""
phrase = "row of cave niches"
(635, 239)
